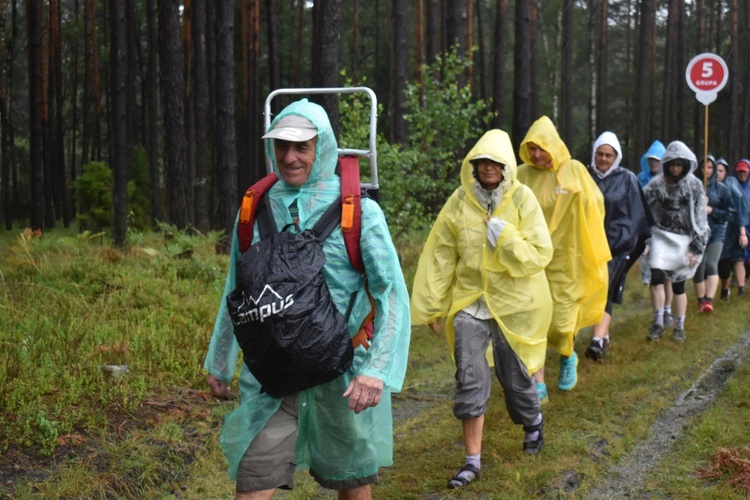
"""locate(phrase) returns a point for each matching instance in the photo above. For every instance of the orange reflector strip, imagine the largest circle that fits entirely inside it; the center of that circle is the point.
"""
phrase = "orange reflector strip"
(246, 211)
(347, 213)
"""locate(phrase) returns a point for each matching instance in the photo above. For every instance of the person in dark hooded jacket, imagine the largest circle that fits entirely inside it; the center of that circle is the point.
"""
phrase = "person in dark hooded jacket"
(720, 210)
(627, 222)
(735, 240)
(679, 235)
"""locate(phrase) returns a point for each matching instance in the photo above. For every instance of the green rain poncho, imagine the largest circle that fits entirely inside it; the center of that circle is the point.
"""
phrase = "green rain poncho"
(574, 210)
(323, 412)
(458, 266)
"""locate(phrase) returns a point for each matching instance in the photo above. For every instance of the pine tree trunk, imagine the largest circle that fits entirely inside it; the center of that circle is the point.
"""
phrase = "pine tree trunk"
(152, 98)
(601, 70)
(119, 159)
(499, 87)
(274, 64)
(432, 27)
(325, 55)
(642, 90)
(74, 111)
(733, 149)
(34, 35)
(400, 71)
(566, 74)
(176, 175)
(225, 172)
(200, 95)
(522, 118)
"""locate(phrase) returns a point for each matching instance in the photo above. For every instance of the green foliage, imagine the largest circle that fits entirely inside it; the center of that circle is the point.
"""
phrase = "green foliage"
(416, 178)
(94, 195)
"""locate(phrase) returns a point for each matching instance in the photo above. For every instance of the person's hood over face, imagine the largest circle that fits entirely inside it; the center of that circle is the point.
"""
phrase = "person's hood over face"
(494, 145)
(699, 170)
(610, 139)
(656, 151)
(326, 150)
(544, 134)
(678, 149)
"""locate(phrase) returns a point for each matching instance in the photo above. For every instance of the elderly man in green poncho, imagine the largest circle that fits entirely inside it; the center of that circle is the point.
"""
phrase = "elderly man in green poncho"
(341, 430)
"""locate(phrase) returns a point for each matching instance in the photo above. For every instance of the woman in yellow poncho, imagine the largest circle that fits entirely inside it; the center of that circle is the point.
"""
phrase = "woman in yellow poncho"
(482, 268)
(573, 207)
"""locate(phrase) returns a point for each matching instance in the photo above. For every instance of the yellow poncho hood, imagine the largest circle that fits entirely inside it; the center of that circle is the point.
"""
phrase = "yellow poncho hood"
(573, 207)
(458, 266)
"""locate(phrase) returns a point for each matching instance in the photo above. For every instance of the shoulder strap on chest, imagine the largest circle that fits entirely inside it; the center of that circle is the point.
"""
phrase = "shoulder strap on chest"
(250, 208)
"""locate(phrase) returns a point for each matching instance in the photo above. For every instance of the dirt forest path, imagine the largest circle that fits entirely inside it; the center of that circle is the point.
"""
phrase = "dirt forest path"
(626, 479)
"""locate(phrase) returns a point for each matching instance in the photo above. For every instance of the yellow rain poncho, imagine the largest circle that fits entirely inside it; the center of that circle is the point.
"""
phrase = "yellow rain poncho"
(574, 210)
(324, 415)
(458, 266)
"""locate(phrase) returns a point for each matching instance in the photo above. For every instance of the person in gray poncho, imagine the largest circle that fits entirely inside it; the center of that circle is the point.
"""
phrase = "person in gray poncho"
(679, 235)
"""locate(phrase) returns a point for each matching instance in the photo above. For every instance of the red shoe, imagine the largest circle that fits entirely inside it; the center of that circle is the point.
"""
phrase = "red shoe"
(708, 306)
(702, 305)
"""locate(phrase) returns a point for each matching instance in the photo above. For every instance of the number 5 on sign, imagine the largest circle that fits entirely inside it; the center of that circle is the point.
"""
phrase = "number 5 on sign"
(706, 74)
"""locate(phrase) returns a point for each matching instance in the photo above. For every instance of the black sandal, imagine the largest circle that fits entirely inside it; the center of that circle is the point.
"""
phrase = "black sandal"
(534, 447)
(458, 481)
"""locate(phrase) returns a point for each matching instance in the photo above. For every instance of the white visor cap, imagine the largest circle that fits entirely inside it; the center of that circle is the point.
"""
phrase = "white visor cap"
(293, 128)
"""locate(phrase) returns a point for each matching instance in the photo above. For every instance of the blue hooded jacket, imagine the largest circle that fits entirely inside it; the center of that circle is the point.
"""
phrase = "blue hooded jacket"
(656, 150)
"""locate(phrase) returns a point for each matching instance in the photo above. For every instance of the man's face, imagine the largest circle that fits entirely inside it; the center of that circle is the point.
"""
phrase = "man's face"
(540, 157)
(604, 157)
(295, 160)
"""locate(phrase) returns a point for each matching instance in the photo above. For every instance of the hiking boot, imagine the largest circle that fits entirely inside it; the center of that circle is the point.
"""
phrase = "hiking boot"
(541, 391)
(742, 291)
(725, 294)
(668, 319)
(678, 335)
(532, 447)
(656, 332)
(708, 306)
(596, 351)
(568, 376)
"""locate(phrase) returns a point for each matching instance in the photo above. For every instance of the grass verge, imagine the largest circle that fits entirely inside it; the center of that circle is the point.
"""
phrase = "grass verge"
(71, 306)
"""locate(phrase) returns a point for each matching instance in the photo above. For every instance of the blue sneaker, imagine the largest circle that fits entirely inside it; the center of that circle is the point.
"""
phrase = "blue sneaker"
(568, 372)
(541, 390)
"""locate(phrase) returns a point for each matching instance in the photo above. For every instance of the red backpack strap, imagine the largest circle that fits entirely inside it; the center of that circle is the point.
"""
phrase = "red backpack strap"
(351, 209)
(249, 207)
(351, 227)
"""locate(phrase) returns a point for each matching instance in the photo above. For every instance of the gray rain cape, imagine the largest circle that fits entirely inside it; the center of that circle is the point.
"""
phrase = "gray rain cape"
(678, 206)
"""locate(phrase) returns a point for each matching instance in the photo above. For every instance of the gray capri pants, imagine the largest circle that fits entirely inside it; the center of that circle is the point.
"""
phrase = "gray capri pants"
(473, 378)
(709, 266)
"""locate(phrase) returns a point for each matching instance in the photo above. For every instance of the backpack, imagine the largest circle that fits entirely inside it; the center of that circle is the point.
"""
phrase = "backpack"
(291, 334)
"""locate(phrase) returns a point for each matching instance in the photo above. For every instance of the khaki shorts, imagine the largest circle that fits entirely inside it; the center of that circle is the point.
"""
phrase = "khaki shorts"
(270, 460)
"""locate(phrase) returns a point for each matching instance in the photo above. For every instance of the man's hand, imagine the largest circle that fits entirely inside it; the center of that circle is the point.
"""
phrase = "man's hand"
(218, 388)
(363, 392)
(437, 326)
